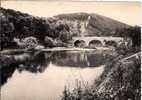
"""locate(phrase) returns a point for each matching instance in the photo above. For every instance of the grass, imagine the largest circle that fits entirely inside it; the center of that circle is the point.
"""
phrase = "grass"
(119, 81)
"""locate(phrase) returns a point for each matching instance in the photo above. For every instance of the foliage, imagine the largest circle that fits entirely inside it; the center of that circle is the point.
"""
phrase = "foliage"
(21, 25)
(120, 81)
(134, 33)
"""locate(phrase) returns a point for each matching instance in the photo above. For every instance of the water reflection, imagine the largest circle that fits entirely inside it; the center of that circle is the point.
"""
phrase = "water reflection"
(43, 75)
(37, 62)
(81, 59)
(48, 85)
(5, 73)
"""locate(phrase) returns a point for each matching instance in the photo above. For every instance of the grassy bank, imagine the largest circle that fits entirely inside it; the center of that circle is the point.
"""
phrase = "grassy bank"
(119, 81)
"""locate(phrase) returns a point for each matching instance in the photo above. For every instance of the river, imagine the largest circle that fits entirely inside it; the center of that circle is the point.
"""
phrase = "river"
(44, 75)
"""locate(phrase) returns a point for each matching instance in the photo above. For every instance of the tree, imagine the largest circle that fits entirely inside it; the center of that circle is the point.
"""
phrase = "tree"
(132, 32)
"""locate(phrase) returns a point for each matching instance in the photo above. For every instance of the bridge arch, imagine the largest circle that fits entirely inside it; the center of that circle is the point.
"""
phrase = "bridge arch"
(111, 43)
(80, 43)
(95, 43)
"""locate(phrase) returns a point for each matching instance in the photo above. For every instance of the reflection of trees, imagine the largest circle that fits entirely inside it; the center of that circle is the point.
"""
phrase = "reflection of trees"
(80, 59)
(7, 67)
(57, 56)
(6, 73)
(37, 63)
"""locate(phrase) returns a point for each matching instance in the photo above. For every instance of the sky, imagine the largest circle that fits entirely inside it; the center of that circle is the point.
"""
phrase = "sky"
(126, 12)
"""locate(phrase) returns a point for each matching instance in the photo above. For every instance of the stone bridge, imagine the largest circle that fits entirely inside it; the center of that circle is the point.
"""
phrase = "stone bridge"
(97, 41)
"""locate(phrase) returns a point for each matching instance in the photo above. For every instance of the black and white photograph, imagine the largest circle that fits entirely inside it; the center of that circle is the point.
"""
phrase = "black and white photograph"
(70, 50)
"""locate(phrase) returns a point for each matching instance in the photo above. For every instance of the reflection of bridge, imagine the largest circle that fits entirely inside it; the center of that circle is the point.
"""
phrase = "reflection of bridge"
(97, 41)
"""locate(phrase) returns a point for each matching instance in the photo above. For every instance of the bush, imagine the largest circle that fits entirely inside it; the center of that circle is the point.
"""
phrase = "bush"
(120, 81)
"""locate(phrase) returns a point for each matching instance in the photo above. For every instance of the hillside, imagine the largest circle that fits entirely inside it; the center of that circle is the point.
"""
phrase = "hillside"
(85, 24)
(58, 30)
(119, 81)
(15, 24)
(120, 78)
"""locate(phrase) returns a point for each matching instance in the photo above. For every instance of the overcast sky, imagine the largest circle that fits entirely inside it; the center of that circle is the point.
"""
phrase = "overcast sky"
(127, 12)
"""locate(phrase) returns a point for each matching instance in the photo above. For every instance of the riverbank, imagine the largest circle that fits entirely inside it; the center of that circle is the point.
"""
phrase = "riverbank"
(120, 80)
(20, 51)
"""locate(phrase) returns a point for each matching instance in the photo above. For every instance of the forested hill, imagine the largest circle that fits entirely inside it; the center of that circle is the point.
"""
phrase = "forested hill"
(16, 24)
(91, 24)
(61, 27)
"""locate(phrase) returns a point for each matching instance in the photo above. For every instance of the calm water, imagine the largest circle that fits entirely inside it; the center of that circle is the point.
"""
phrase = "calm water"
(43, 76)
